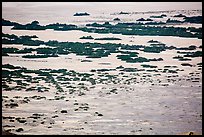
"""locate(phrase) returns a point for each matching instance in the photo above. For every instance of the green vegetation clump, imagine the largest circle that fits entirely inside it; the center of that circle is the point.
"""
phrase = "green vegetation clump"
(173, 21)
(25, 40)
(86, 37)
(172, 71)
(120, 67)
(9, 50)
(5, 51)
(10, 66)
(155, 48)
(122, 28)
(130, 59)
(129, 69)
(103, 70)
(192, 47)
(86, 61)
(61, 27)
(184, 59)
(124, 12)
(160, 16)
(81, 14)
(186, 64)
(30, 26)
(7, 23)
(179, 15)
(180, 58)
(46, 50)
(116, 19)
(194, 54)
(4, 54)
(194, 19)
(154, 59)
(200, 63)
(38, 56)
(155, 23)
(140, 29)
(153, 41)
(25, 50)
(191, 54)
(170, 67)
(43, 74)
(132, 47)
(142, 19)
(132, 54)
(90, 50)
(35, 26)
(148, 66)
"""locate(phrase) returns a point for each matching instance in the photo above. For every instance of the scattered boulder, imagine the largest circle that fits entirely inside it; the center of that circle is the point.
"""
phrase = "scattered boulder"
(116, 19)
(19, 130)
(142, 19)
(64, 111)
(81, 14)
(11, 105)
(100, 114)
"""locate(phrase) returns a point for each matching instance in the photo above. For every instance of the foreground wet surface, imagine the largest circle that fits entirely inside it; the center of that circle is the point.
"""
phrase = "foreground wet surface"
(73, 94)
(129, 103)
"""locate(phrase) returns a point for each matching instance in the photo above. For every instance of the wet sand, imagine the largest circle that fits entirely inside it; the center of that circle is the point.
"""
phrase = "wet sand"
(144, 101)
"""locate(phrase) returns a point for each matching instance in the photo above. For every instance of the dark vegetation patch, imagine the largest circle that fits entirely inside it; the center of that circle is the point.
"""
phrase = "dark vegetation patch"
(142, 19)
(186, 64)
(181, 58)
(193, 19)
(81, 14)
(121, 28)
(191, 54)
(148, 66)
(116, 19)
(179, 15)
(25, 40)
(86, 37)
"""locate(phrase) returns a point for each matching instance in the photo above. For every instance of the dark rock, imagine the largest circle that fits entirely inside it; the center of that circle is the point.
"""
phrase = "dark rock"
(21, 120)
(12, 105)
(100, 114)
(8, 117)
(179, 15)
(55, 116)
(11, 120)
(116, 19)
(64, 111)
(142, 19)
(19, 130)
(120, 67)
(36, 114)
(81, 14)
(124, 12)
